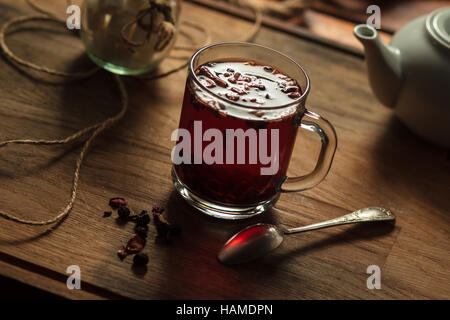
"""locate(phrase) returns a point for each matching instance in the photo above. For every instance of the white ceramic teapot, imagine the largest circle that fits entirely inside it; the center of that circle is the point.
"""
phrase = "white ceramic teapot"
(412, 73)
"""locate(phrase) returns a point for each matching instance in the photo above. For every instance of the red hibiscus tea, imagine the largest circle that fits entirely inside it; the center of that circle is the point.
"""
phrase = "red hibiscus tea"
(251, 84)
(237, 130)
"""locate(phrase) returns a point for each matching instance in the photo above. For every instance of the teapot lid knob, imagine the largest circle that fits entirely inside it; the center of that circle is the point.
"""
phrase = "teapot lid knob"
(438, 26)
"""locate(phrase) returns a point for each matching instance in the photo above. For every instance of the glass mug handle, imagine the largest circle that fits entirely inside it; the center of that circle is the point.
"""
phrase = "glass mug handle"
(322, 127)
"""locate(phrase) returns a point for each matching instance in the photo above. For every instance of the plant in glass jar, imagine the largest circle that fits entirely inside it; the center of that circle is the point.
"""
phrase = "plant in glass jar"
(129, 37)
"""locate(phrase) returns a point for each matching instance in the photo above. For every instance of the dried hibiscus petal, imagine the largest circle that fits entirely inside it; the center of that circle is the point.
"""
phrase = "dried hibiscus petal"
(135, 244)
(117, 202)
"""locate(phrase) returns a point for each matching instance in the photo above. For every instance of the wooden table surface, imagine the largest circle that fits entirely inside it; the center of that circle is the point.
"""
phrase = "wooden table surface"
(378, 162)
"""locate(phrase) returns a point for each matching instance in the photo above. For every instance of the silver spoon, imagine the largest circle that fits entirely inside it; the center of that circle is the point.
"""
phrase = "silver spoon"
(259, 239)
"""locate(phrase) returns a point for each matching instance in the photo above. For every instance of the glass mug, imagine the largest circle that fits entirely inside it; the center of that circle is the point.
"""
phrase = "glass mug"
(238, 189)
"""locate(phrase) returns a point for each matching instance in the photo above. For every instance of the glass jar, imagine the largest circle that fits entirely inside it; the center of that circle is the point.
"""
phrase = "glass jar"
(129, 37)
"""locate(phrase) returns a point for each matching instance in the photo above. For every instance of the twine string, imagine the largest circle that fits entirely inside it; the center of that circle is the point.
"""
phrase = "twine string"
(27, 64)
(98, 128)
(76, 176)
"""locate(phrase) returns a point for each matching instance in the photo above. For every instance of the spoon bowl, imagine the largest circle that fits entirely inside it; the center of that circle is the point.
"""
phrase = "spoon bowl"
(259, 239)
(251, 243)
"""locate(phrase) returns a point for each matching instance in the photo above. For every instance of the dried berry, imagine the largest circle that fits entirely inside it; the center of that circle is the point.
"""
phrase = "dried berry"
(107, 214)
(124, 213)
(257, 100)
(141, 259)
(141, 231)
(117, 202)
(143, 218)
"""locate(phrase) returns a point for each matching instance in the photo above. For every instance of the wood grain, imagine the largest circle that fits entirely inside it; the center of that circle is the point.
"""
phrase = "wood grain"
(314, 25)
(394, 14)
(378, 162)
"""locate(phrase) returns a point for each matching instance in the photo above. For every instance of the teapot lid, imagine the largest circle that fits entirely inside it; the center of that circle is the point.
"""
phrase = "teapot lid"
(438, 26)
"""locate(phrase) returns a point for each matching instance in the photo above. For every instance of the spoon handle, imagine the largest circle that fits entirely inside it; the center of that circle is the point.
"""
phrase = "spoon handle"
(363, 215)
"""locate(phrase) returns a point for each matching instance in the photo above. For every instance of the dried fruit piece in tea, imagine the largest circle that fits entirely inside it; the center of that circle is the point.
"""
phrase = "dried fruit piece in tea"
(232, 96)
(290, 89)
(238, 91)
(207, 73)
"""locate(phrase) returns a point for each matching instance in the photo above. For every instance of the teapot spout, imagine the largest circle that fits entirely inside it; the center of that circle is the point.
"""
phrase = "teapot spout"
(383, 64)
